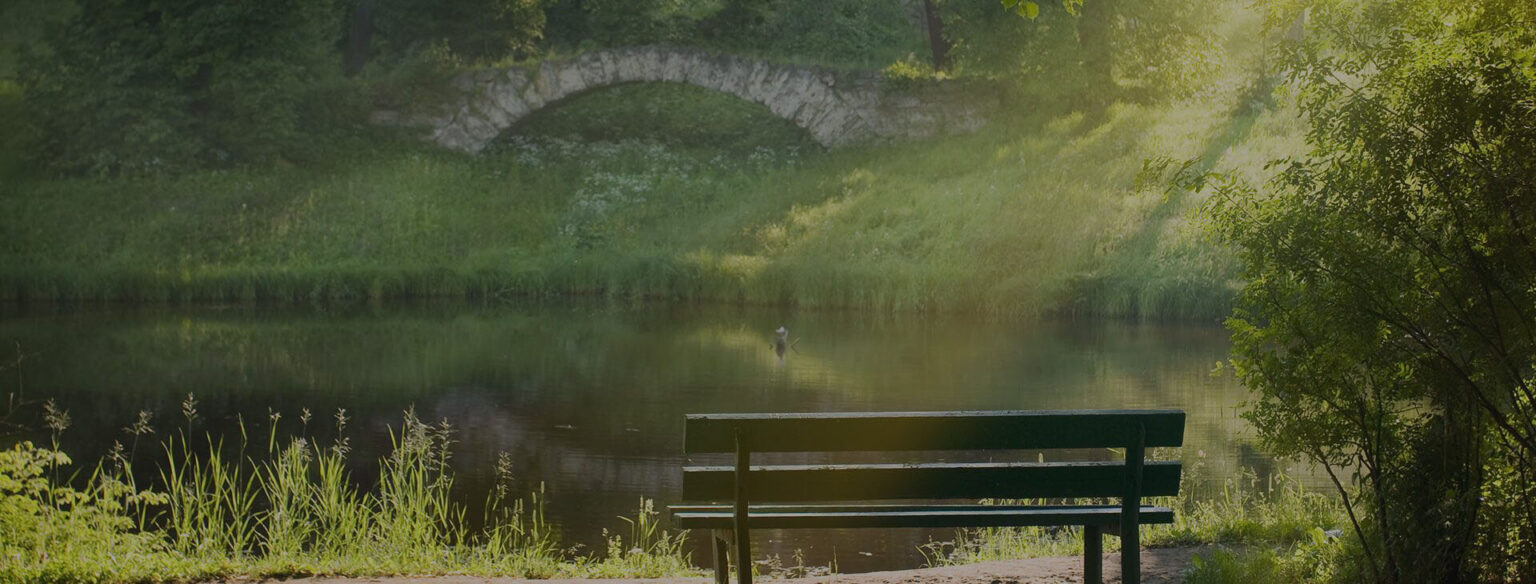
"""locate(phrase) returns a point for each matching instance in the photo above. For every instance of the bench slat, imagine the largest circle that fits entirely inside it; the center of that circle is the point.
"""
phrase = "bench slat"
(856, 516)
(865, 482)
(888, 431)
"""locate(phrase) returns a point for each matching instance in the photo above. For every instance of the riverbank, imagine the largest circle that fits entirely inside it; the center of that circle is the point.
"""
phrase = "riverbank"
(293, 505)
(1051, 211)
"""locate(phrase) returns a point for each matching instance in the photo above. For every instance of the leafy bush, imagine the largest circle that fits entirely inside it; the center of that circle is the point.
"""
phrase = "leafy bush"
(50, 531)
(1386, 325)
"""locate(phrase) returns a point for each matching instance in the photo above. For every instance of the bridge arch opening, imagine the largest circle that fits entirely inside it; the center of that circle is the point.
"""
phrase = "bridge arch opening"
(675, 114)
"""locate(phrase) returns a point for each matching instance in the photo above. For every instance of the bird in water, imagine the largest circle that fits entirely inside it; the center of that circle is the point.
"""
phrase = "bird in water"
(781, 343)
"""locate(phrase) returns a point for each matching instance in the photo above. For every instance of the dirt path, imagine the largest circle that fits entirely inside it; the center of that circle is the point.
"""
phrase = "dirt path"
(1158, 566)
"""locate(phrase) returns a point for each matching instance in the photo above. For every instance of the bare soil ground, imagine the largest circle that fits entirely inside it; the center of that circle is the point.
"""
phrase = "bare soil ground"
(1158, 566)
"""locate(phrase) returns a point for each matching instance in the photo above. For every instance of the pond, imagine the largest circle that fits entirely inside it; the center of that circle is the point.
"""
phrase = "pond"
(588, 397)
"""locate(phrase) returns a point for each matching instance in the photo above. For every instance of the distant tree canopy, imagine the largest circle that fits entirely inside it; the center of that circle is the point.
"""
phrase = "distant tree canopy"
(1100, 48)
(1388, 324)
(145, 85)
(869, 33)
(474, 31)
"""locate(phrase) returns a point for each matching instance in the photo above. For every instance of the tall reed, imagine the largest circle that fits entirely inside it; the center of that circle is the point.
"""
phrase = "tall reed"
(222, 508)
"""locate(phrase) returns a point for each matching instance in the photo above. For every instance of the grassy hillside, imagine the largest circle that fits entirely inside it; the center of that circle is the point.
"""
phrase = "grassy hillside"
(674, 192)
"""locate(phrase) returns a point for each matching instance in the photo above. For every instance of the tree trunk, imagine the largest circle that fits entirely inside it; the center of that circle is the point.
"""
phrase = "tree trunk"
(359, 36)
(1097, 49)
(936, 40)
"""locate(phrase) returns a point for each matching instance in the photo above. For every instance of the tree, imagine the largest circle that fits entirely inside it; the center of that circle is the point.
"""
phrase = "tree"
(147, 85)
(1096, 41)
(1157, 46)
(937, 44)
(359, 37)
(473, 31)
(1388, 326)
(581, 23)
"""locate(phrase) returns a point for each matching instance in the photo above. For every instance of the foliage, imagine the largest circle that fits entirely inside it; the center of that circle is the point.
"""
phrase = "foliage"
(22, 23)
(909, 72)
(138, 86)
(1386, 325)
(853, 32)
(1321, 557)
(1248, 511)
(52, 531)
(652, 552)
(1148, 46)
(987, 39)
(580, 24)
(849, 33)
(473, 31)
(14, 135)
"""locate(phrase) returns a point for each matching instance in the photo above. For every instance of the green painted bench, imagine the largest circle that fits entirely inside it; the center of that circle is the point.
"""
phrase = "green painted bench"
(732, 500)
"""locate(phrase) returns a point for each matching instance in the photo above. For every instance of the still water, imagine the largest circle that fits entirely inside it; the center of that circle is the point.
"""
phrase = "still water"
(588, 398)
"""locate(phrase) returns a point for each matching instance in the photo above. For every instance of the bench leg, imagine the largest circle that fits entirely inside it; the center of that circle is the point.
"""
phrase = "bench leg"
(739, 509)
(1130, 554)
(722, 560)
(1093, 555)
(743, 556)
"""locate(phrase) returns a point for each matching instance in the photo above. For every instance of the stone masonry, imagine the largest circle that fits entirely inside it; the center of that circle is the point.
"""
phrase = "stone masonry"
(837, 108)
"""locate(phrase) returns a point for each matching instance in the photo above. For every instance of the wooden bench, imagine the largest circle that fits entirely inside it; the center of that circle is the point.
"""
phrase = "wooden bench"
(732, 500)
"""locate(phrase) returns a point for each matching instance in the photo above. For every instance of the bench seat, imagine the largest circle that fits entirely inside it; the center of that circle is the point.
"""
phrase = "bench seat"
(857, 516)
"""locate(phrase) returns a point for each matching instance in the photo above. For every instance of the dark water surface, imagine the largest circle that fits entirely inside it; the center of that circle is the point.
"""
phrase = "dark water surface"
(588, 398)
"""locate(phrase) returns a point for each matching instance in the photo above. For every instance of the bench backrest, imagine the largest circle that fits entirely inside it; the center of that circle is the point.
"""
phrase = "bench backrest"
(743, 434)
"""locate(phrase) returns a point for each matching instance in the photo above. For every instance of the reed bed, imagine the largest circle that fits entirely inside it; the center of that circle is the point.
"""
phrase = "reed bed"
(286, 505)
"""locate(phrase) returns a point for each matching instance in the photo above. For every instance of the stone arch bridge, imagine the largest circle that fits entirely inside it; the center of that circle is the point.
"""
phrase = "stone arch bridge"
(837, 108)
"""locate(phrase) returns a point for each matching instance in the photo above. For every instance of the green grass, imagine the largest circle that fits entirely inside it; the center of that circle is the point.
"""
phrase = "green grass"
(1269, 531)
(285, 506)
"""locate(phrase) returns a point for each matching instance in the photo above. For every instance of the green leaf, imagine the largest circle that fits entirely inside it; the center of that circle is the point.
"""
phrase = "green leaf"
(1025, 8)
(1028, 9)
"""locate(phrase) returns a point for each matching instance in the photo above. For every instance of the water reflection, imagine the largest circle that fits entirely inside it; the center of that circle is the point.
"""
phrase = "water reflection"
(588, 398)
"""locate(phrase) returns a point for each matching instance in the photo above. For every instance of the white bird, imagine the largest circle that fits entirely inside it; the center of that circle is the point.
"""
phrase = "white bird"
(781, 344)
